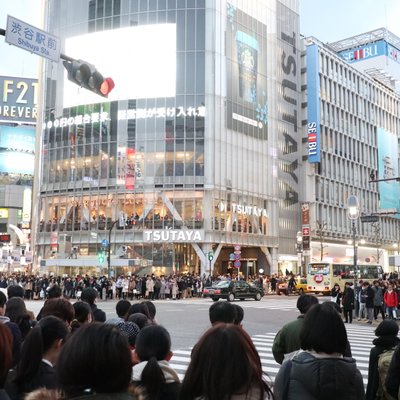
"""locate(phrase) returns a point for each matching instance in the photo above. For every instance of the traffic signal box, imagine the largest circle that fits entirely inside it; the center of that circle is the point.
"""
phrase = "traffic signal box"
(100, 257)
(86, 75)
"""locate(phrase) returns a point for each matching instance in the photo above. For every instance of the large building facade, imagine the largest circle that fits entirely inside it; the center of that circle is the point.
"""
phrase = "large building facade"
(352, 128)
(196, 153)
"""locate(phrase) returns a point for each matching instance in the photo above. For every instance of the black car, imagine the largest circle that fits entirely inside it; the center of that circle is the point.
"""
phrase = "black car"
(231, 290)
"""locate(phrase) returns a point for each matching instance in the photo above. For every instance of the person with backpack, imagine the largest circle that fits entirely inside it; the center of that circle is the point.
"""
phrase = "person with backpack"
(380, 357)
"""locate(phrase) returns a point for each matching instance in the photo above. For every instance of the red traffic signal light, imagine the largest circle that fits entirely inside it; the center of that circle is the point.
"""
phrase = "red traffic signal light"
(86, 75)
(106, 87)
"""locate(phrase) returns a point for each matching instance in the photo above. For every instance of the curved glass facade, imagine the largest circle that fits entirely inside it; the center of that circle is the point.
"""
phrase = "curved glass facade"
(185, 153)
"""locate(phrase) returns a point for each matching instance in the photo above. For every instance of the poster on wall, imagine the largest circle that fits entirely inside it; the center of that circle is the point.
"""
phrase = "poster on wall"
(388, 159)
(246, 71)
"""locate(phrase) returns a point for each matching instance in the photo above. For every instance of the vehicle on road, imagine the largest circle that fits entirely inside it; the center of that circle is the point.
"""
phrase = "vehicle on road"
(231, 290)
(300, 288)
(322, 276)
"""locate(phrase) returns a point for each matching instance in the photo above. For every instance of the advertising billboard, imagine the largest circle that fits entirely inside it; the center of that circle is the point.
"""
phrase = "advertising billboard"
(246, 71)
(313, 107)
(17, 145)
(370, 50)
(388, 158)
(18, 100)
(146, 68)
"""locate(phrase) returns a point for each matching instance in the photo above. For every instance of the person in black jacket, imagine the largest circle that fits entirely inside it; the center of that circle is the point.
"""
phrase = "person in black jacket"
(89, 296)
(38, 356)
(348, 303)
(387, 339)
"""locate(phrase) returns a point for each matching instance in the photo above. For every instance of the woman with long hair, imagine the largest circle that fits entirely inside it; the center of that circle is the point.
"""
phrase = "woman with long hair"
(17, 312)
(6, 357)
(225, 365)
(38, 356)
(152, 376)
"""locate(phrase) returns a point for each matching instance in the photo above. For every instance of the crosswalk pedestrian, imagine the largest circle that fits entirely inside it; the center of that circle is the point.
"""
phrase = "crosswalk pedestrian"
(360, 338)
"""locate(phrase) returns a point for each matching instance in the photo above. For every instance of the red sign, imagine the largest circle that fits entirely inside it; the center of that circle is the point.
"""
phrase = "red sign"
(306, 231)
(237, 256)
(318, 278)
(5, 238)
(237, 247)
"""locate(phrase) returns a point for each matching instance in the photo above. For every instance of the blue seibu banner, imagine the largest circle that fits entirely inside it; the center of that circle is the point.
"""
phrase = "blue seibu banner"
(313, 106)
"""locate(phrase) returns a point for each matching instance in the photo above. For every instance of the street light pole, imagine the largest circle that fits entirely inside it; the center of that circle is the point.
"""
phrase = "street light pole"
(353, 212)
(109, 249)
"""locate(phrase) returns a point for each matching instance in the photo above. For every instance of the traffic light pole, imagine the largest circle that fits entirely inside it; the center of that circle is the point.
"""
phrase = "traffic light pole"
(109, 249)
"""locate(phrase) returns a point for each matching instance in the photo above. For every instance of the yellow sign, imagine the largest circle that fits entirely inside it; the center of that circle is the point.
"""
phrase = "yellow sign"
(3, 212)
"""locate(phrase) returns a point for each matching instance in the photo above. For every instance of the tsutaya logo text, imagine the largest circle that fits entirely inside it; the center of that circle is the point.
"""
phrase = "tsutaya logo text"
(136, 113)
(167, 235)
(244, 210)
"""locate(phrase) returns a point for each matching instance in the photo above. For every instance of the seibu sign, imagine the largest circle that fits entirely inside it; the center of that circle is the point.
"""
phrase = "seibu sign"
(172, 235)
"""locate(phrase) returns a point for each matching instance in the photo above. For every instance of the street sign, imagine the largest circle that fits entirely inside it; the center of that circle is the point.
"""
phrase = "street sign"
(104, 243)
(237, 264)
(237, 247)
(231, 257)
(369, 218)
(237, 256)
(32, 39)
(210, 256)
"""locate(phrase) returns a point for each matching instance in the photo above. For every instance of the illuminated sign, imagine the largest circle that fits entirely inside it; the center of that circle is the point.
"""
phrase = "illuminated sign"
(393, 53)
(3, 212)
(244, 209)
(18, 138)
(5, 238)
(171, 235)
(363, 52)
(313, 106)
(18, 99)
(146, 69)
(137, 113)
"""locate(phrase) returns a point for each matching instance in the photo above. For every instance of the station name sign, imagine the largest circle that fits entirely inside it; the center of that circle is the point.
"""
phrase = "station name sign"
(173, 235)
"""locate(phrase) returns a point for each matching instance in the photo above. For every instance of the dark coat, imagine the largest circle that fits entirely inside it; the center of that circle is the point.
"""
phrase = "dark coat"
(348, 299)
(99, 315)
(370, 297)
(45, 377)
(381, 343)
(393, 376)
(311, 378)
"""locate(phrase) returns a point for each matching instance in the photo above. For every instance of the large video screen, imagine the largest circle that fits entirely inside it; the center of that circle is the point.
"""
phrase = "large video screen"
(141, 60)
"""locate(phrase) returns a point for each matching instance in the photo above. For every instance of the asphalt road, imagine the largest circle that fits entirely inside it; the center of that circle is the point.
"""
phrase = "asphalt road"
(186, 320)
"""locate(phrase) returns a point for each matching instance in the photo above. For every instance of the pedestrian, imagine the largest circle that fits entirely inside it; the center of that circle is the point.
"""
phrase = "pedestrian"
(152, 375)
(378, 300)
(39, 354)
(391, 301)
(89, 295)
(320, 371)
(387, 339)
(348, 302)
(83, 315)
(336, 294)
(6, 358)
(96, 364)
(287, 340)
(16, 311)
(222, 311)
(225, 365)
(369, 302)
(362, 299)
(121, 308)
(60, 308)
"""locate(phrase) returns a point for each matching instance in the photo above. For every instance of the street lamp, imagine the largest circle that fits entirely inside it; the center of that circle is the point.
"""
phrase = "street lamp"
(353, 212)
(109, 249)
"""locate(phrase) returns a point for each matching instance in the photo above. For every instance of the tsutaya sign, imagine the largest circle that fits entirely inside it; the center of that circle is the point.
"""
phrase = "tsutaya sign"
(244, 209)
(171, 235)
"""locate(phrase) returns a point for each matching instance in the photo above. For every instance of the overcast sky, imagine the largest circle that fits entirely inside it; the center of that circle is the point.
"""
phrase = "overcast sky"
(327, 20)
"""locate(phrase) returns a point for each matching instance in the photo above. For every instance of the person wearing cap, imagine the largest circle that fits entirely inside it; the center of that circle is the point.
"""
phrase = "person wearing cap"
(386, 333)
(130, 330)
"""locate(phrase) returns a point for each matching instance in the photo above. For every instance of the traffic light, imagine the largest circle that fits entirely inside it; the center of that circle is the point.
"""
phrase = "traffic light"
(86, 75)
(100, 257)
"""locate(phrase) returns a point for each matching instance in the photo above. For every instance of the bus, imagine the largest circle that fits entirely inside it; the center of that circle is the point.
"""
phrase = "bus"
(322, 276)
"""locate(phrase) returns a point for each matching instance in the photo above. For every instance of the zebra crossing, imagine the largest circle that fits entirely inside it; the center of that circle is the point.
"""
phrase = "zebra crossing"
(360, 338)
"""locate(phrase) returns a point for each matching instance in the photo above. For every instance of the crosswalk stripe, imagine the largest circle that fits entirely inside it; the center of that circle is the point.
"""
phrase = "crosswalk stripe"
(360, 338)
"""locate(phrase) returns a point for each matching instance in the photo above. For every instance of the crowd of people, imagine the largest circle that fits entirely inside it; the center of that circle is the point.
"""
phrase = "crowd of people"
(71, 350)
